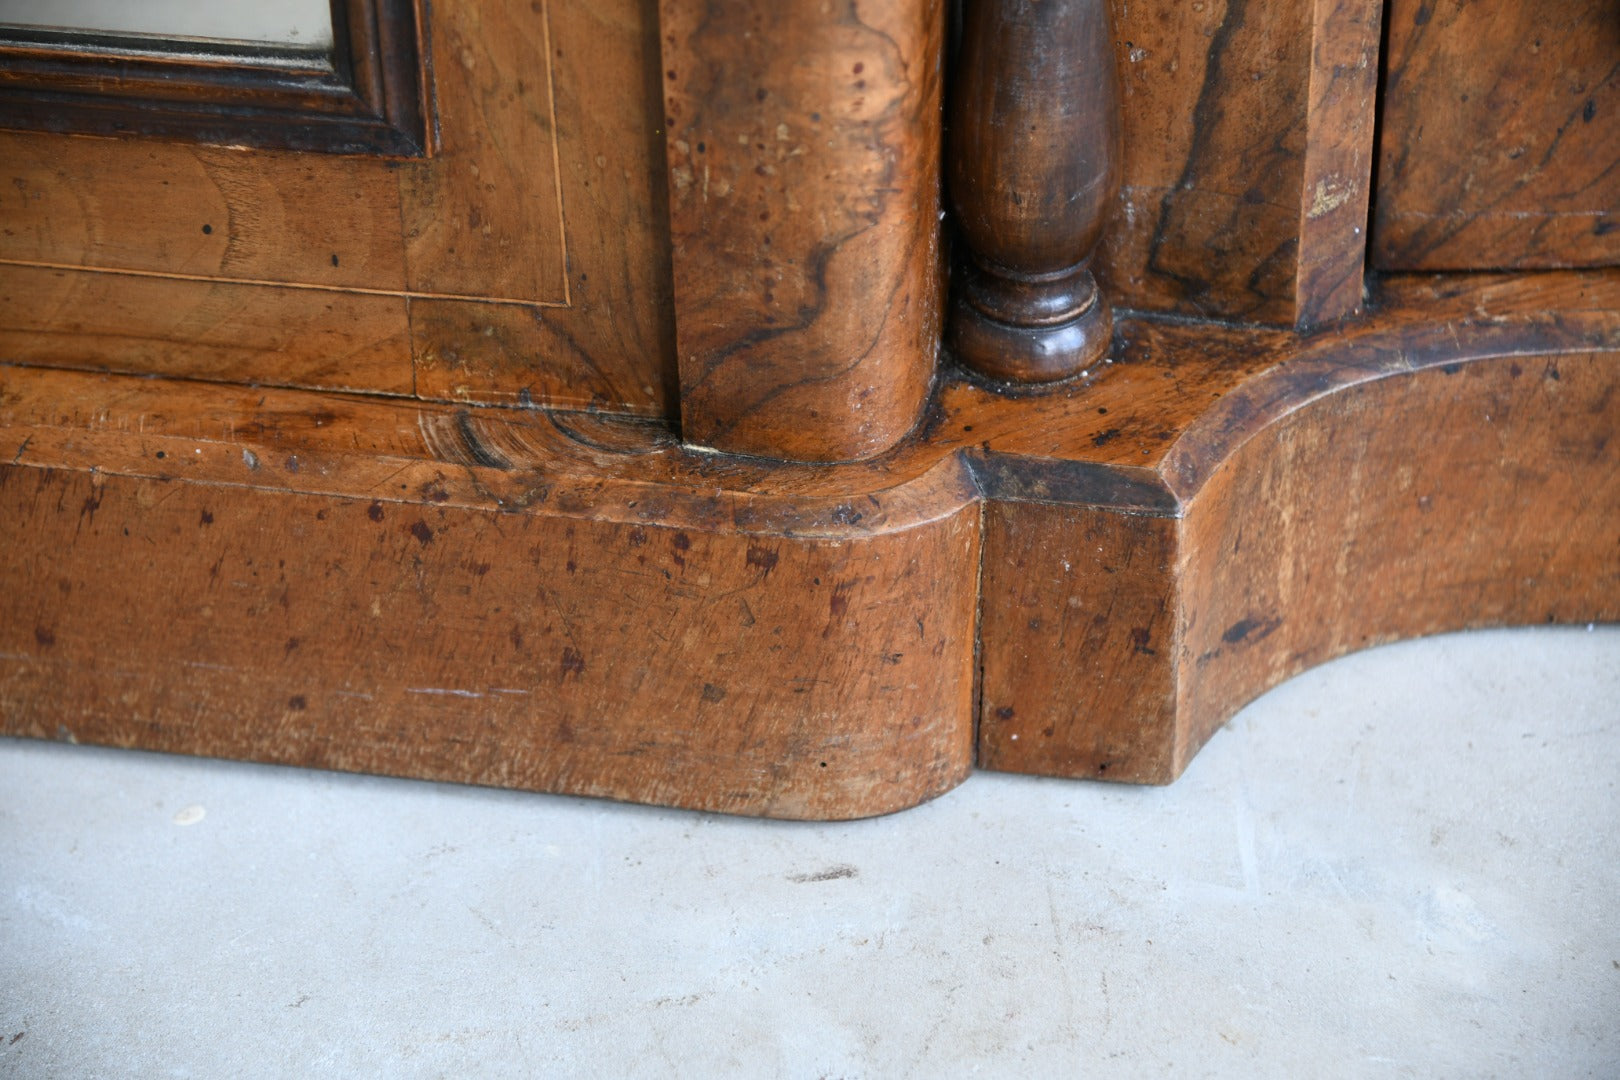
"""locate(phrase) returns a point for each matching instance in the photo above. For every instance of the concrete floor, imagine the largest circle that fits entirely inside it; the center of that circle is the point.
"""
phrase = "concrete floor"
(1402, 864)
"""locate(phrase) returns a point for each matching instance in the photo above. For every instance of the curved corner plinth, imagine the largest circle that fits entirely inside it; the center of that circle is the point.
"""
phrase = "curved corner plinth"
(483, 597)
(1450, 464)
(1471, 491)
(1092, 575)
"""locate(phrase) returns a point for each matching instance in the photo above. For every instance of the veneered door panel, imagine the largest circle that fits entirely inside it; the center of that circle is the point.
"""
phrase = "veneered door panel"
(533, 234)
(1500, 123)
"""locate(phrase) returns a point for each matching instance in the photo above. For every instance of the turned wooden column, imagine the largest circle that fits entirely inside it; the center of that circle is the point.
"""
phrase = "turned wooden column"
(1033, 167)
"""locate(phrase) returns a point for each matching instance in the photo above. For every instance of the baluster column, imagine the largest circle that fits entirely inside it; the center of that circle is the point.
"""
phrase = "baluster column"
(1033, 167)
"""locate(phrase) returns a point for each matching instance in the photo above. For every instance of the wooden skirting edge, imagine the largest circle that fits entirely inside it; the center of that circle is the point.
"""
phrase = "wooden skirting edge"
(1450, 463)
(575, 603)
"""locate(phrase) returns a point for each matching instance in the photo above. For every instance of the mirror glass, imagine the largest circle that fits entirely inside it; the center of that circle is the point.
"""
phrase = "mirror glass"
(296, 25)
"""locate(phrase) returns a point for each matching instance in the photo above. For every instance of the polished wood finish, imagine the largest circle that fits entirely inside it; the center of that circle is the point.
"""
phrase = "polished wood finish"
(1246, 134)
(804, 150)
(566, 601)
(1388, 480)
(1340, 120)
(1033, 166)
(525, 262)
(1077, 677)
(424, 591)
(216, 331)
(1499, 135)
(296, 487)
(369, 94)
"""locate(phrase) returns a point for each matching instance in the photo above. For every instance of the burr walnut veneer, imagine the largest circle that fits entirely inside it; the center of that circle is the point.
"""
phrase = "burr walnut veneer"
(781, 407)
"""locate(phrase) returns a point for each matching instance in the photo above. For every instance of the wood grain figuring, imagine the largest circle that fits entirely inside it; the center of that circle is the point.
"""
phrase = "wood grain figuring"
(612, 348)
(544, 623)
(1215, 96)
(543, 113)
(1033, 169)
(486, 218)
(1415, 535)
(1500, 146)
(1449, 464)
(1246, 168)
(199, 211)
(1340, 121)
(704, 629)
(1077, 627)
(804, 144)
(486, 668)
(219, 331)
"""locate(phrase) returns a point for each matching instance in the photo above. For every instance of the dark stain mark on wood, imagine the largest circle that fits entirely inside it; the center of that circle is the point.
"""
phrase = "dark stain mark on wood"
(764, 558)
(45, 636)
(573, 663)
(297, 703)
(713, 693)
(205, 518)
(1141, 641)
(1250, 629)
(375, 511)
(1085, 483)
(92, 503)
(423, 534)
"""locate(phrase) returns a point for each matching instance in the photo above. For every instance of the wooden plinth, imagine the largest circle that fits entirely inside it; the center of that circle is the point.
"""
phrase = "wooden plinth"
(1091, 577)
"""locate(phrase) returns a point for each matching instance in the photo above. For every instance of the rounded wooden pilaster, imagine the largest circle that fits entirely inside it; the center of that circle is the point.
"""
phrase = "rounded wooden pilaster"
(1033, 166)
(804, 170)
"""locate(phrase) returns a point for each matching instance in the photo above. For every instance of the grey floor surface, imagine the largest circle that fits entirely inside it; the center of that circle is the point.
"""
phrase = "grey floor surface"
(1406, 863)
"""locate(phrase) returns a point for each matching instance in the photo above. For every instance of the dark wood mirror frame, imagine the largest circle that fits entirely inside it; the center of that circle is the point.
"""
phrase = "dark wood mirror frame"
(368, 95)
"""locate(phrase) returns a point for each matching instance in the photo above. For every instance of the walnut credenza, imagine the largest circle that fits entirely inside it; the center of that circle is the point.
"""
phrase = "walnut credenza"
(783, 407)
